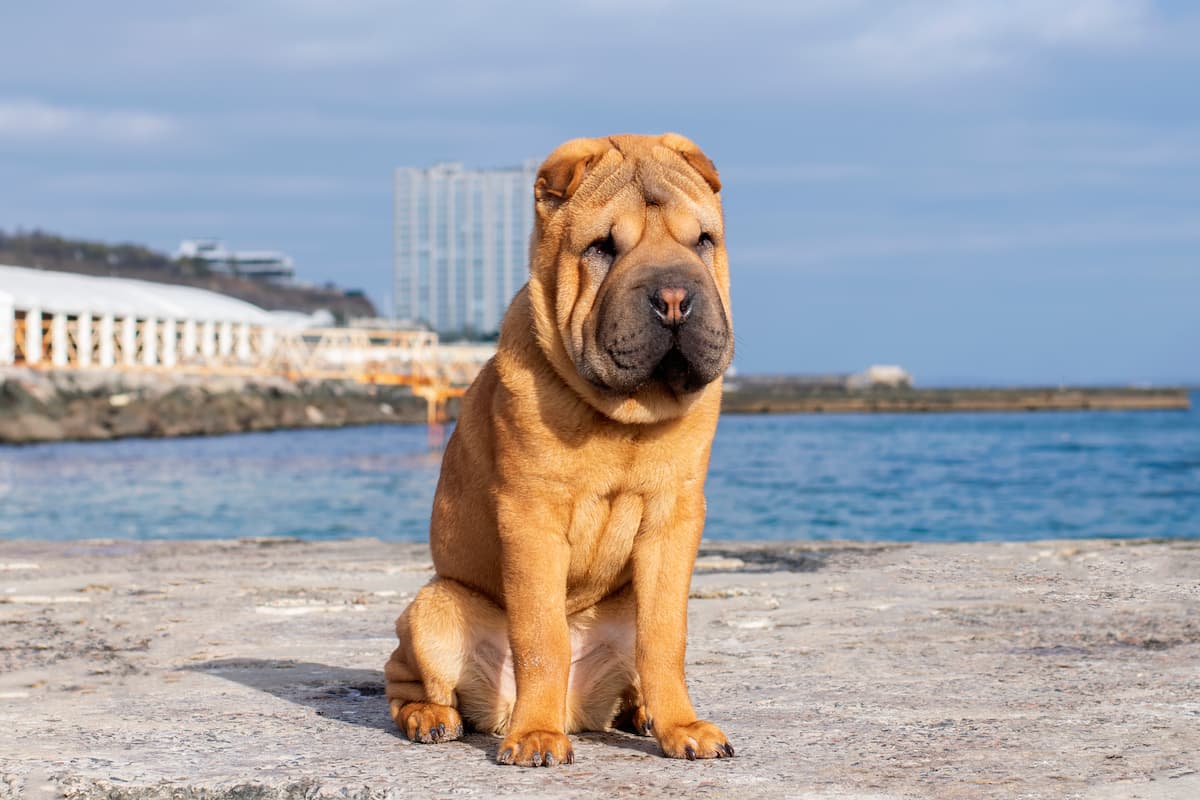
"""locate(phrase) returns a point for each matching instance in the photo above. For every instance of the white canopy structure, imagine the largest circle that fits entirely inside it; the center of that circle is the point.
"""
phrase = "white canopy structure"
(69, 293)
(84, 320)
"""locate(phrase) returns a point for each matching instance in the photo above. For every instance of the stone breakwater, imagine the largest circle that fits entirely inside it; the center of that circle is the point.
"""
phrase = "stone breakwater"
(782, 396)
(252, 669)
(37, 406)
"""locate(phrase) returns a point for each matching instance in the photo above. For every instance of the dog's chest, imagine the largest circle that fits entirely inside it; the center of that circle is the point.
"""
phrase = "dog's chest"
(601, 535)
(624, 491)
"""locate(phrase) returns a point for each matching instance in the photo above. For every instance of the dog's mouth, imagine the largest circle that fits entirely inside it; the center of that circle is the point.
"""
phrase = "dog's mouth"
(682, 359)
(671, 370)
(676, 373)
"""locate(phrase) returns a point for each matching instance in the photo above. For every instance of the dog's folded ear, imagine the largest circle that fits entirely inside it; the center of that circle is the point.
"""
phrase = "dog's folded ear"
(564, 169)
(692, 154)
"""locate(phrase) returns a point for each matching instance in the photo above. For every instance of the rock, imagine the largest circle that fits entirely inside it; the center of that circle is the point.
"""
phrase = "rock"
(93, 404)
(24, 427)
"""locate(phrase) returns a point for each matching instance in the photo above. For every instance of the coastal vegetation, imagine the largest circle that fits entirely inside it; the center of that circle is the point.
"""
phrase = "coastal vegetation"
(42, 250)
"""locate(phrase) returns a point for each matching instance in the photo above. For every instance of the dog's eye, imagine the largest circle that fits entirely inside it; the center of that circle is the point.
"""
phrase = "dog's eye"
(705, 241)
(604, 248)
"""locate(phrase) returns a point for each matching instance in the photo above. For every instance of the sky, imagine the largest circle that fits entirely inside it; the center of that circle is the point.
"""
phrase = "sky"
(983, 192)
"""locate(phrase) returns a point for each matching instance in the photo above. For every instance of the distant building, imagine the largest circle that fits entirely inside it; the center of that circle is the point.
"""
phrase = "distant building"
(881, 375)
(817, 384)
(265, 265)
(461, 244)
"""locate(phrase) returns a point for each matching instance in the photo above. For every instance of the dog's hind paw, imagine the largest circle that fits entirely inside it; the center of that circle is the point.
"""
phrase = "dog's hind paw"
(634, 719)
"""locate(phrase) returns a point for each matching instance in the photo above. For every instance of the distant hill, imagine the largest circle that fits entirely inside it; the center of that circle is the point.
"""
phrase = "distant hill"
(41, 250)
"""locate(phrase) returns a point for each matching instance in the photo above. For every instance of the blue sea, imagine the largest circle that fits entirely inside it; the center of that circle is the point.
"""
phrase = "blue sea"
(933, 477)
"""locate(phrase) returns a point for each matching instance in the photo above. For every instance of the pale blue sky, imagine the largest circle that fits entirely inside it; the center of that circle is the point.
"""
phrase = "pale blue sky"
(1003, 191)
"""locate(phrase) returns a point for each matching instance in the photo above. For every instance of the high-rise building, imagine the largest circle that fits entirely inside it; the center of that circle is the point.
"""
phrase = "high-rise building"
(461, 244)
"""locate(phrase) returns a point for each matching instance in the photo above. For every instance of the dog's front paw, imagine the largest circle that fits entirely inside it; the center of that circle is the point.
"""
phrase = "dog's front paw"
(427, 723)
(536, 749)
(699, 739)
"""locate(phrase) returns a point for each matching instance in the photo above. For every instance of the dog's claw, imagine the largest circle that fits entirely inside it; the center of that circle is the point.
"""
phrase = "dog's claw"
(690, 752)
(441, 731)
(728, 749)
(536, 749)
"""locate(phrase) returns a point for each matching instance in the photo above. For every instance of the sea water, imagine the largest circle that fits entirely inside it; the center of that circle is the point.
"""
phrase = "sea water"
(885, 477)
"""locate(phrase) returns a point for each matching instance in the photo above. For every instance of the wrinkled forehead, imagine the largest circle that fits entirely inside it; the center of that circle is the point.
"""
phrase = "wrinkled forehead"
(670, 183)
(630, 183)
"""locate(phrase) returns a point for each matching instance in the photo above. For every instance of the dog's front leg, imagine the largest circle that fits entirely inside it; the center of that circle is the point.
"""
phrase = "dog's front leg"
(535, 598)
(663, 557)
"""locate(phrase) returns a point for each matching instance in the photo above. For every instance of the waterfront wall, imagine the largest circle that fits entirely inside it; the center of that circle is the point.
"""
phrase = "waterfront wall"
(48, 406)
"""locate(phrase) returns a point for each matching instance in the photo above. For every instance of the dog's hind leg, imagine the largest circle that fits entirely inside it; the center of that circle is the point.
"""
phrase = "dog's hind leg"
(424, 671)
(603, 678)
(631, 714)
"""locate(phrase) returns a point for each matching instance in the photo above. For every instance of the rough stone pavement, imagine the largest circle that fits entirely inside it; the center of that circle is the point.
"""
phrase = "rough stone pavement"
(252, 669)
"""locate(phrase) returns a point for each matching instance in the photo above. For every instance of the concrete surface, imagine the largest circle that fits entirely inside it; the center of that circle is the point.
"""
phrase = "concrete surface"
(252, 670)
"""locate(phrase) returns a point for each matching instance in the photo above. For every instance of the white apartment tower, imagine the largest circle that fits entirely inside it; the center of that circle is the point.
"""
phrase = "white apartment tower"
(461, 246)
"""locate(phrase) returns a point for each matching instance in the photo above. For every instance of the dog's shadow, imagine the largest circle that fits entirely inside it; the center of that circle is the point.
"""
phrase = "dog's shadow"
(355, 697)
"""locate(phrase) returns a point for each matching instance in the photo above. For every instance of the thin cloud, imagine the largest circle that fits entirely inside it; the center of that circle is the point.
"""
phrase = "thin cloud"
(868, 247)
(917, 42)
(38, 120)
(799, 173)
(427, 54)
(1108, 144)
(333, 52)
(135, 183)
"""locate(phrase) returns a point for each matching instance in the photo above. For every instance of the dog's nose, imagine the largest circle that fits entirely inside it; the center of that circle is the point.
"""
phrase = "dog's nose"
(672, 305)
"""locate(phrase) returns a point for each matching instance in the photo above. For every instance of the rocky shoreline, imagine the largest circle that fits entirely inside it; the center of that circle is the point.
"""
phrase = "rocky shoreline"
(82, 405)
(92, 405)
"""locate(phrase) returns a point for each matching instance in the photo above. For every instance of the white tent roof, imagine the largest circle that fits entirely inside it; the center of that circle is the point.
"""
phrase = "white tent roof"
(69, 293)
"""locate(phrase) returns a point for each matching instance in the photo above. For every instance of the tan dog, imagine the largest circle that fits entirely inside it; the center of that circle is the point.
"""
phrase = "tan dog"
(571, 500)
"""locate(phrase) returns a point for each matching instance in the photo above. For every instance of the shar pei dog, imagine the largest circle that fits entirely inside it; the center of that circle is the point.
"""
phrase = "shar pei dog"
(571, 501)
